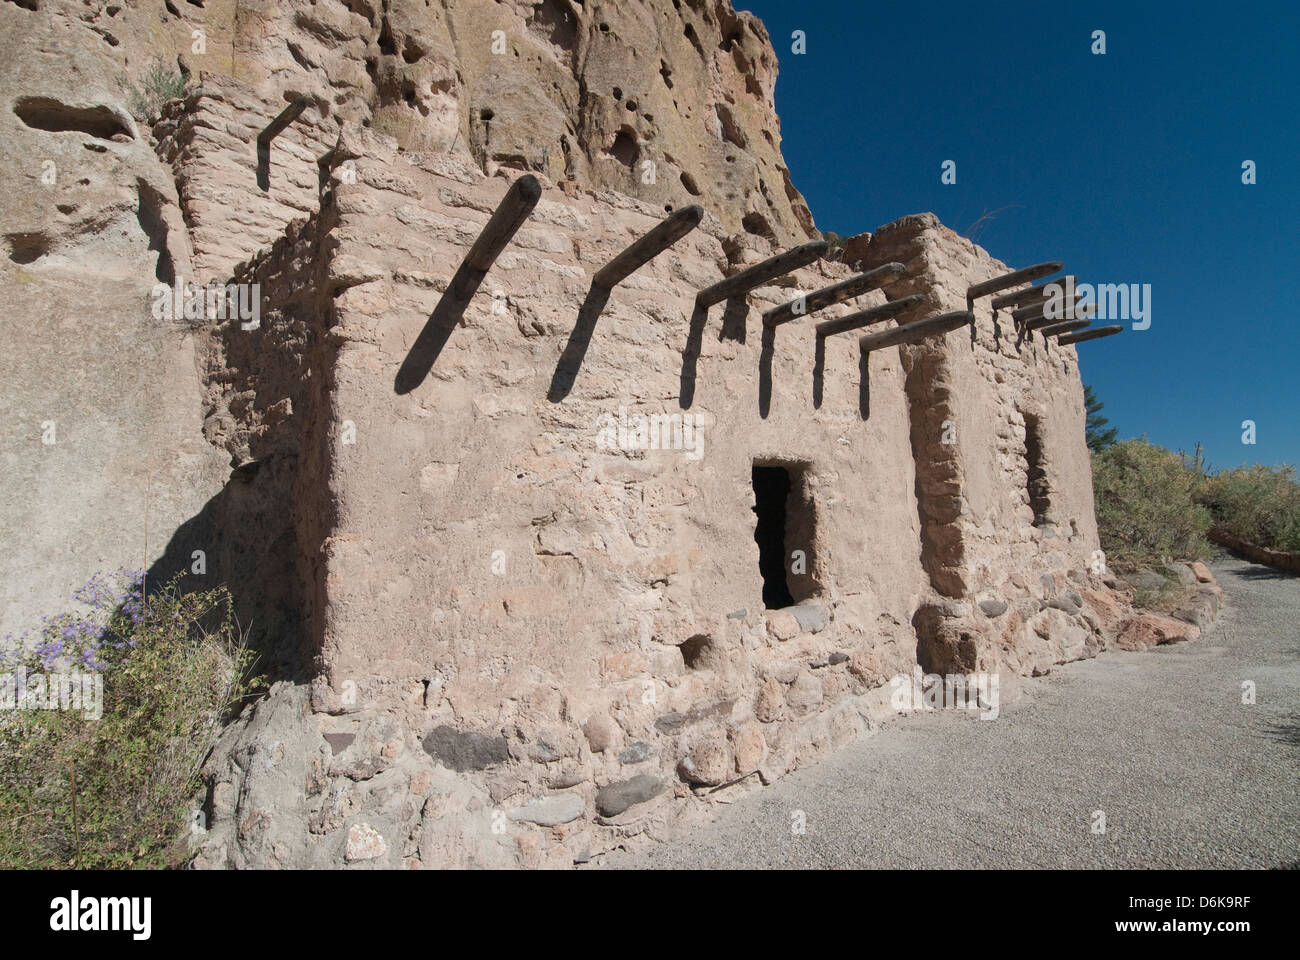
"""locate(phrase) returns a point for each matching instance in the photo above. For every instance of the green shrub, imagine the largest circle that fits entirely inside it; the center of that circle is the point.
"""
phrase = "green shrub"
(173, 667)
(1098, 432)
(1148, 511)
(1259, 504)
(159, 84)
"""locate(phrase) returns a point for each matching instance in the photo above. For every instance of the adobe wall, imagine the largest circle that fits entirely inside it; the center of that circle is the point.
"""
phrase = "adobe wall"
(969, 401)
(610, 559)
(210, 141)
(500, 603)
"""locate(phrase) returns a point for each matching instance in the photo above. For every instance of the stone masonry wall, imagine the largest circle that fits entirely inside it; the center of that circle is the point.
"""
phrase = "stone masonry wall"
(578, 632)
(981, 541)
(210, 141)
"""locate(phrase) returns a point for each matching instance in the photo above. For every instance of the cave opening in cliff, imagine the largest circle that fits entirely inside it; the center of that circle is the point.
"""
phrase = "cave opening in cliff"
(1036, 472)
(785, 533)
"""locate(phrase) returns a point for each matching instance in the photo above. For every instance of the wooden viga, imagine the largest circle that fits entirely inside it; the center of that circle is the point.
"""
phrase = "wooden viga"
(272, 130)
(1003, 282)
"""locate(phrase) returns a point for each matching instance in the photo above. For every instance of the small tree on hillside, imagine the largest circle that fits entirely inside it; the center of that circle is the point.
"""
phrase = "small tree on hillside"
(1099, 437)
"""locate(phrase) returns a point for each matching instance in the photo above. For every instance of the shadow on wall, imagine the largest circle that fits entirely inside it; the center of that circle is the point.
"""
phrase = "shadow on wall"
(570, 362)
(864, 378)
(445, 318)
(508, 217)
(241, 541)
(734, 315)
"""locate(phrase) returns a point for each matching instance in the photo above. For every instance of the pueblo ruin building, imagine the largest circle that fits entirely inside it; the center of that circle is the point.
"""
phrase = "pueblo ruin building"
(589, 546)
(545, 544)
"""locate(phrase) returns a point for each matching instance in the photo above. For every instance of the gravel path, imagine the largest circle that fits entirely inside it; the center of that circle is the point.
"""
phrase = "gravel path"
(1186, 775)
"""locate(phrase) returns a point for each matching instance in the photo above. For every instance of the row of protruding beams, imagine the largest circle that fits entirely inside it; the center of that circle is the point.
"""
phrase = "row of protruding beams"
(1036, 311)
(1095, 333)
(1013, 279)
(519, 201)
(1041, 322)
(741, 283)
(1020, 298)
(836, 293)
(1066, 326)
(523, 195)
(1029, 305)
(805, 304)
(641, 252)
(855, 321)
(917, 330)
(852, 287)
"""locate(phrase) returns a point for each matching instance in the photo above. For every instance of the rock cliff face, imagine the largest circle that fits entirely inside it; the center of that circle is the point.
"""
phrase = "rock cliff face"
(101, 409)
(667, 101)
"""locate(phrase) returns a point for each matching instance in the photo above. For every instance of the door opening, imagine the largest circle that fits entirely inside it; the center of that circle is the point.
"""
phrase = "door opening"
(771, 491)
(785, 530)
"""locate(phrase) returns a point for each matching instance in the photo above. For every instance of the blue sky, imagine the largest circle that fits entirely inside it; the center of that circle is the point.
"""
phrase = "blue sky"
(1126, 166)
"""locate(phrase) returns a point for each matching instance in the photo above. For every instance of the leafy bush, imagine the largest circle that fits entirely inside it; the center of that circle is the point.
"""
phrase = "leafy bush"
(172, 666)
(1148, 509)
(1259, 504)
(159, 84)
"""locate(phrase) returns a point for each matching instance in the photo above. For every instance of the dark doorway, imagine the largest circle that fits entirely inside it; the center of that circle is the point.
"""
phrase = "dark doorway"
(771, 491)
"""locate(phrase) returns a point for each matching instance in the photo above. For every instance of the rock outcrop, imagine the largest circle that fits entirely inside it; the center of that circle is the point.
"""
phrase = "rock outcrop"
(101, 411)
(667, 101)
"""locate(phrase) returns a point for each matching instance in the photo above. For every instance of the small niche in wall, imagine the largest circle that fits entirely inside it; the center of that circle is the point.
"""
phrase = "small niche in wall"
(1040, 500)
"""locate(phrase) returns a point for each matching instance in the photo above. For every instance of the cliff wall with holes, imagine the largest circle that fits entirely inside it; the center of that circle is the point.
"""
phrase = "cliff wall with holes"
(586, 91)
(101, 411)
